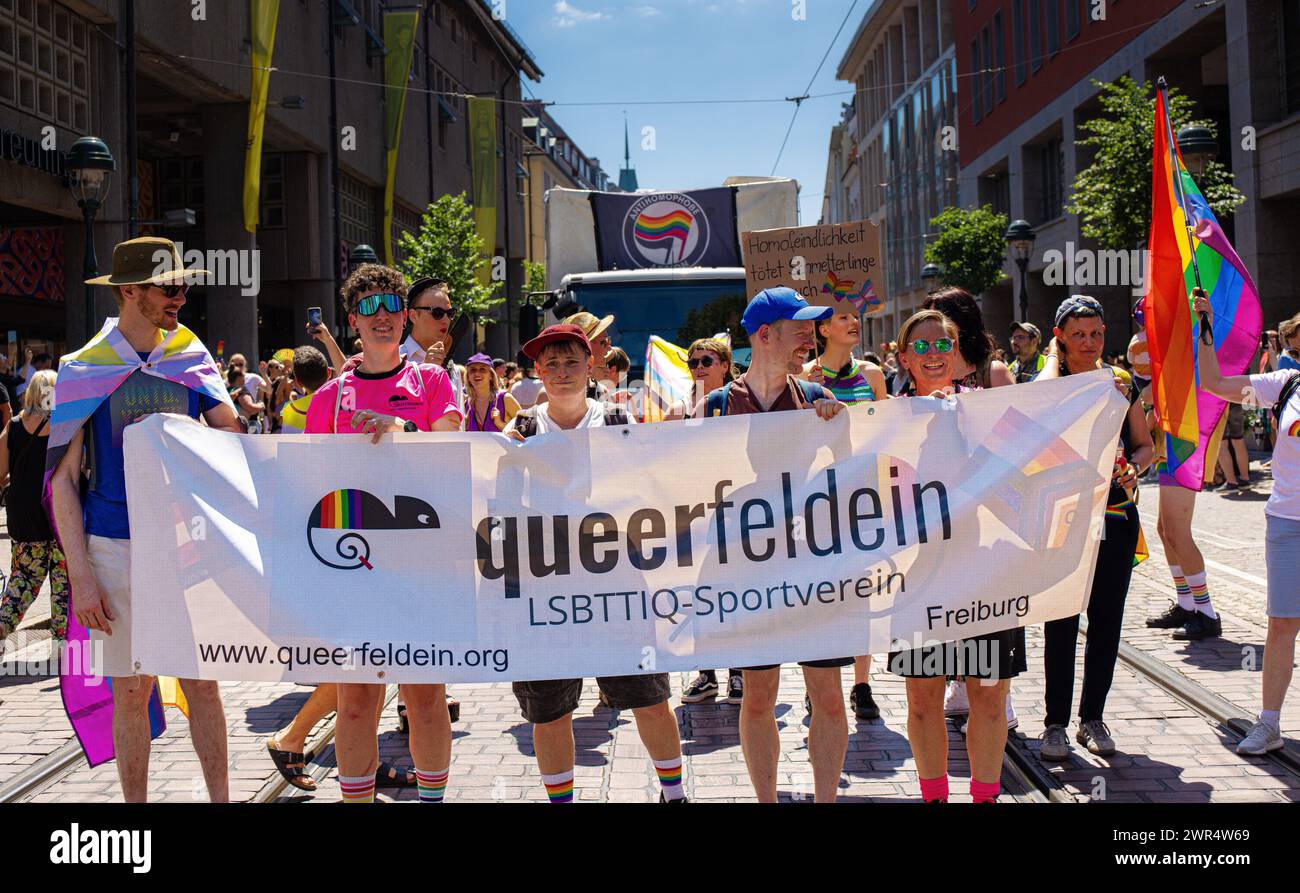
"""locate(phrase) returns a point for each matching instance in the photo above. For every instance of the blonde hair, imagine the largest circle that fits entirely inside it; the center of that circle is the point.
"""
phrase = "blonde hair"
(720, 348)
(1288, 329)
(38, 390)
(924, 316)
(493, 378)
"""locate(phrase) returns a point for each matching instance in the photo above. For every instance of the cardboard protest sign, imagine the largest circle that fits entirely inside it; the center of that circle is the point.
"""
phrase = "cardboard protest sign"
(831, 266)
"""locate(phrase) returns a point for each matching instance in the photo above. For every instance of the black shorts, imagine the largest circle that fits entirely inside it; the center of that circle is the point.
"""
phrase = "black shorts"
(1236, 425)
(992, 656)
(547, 700)
(829, 663)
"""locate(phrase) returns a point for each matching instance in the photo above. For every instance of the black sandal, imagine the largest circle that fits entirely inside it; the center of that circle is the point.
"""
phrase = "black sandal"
(389, 776)
(403, 725)
(293, 768)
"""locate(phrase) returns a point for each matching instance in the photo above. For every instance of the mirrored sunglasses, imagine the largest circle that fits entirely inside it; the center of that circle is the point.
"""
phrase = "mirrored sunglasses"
(921, 347)
(370, 304)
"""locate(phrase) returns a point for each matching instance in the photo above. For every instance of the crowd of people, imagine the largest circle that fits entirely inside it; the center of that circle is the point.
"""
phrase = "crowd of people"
(571, 376)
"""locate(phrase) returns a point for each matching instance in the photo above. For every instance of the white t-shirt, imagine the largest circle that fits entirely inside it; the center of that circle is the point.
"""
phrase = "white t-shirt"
(526, 391)
(410, 349)
(253, 383)
(1285, 501)
(595, 418)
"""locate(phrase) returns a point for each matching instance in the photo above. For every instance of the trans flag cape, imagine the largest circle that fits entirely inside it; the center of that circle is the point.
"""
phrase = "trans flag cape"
(668, 379)
(87, 378)
(1189, 416)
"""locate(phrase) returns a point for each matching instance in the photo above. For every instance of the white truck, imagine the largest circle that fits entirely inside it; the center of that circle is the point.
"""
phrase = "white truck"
(656, 298)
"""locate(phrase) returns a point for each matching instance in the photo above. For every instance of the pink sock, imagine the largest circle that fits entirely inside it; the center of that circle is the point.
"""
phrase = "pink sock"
(985, 791)
(933, 789)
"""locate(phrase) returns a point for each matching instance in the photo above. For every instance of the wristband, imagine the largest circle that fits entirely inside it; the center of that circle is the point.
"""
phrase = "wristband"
(410, 427)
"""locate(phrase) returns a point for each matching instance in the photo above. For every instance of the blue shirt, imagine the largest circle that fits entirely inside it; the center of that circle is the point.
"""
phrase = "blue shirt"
(1285, 362)
(140, 395)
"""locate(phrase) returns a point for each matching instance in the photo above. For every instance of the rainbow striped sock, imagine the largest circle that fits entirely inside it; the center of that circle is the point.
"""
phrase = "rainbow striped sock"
(432, 785)
(670, 778)
(357, 788)
(1200, 590)
(1180, 586)
(559, 787)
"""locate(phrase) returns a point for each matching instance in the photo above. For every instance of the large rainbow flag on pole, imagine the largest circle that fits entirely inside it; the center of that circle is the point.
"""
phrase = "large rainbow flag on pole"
(1187, 248)
(86, 379)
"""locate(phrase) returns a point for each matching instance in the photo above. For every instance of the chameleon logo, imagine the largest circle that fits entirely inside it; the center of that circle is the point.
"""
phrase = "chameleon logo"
(354, 510)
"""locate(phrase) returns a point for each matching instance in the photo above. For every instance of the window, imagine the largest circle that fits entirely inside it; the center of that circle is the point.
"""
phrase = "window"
(999, 56)
(272, 194)
(44, 62)
(987, 64)
(180, 185)
(1071, 20)
(1053, 27)
(1051, 166)
(405, 220)
(978, 88)
(1035, 34)
(1018, 38)
(356, 211)
(1290, 39)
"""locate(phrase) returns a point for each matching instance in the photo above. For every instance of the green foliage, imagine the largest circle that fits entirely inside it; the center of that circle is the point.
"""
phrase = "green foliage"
(448, 247)
(971, 245)
(534, 277)
(1112, 196)
(722, 314)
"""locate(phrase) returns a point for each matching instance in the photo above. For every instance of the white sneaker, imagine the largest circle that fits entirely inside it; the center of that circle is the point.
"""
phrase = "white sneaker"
(1261, 739)
(1012, 719)
(954, 698)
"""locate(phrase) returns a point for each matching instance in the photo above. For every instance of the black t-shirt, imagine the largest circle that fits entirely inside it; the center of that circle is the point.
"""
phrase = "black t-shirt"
(4, 394)
(28, 522)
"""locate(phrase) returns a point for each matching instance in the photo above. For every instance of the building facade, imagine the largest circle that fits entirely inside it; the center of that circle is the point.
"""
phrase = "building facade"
(902, 128)
(62, 67)
(1020, 124)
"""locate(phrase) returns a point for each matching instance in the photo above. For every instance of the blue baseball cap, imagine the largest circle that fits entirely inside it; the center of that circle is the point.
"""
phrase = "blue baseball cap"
(774, 304)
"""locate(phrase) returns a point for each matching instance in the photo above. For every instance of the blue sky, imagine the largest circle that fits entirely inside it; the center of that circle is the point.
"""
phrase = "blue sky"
(628, 51)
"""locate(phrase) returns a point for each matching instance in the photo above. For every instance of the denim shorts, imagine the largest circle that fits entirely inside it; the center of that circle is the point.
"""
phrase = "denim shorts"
(1282, 558)
(546, 700)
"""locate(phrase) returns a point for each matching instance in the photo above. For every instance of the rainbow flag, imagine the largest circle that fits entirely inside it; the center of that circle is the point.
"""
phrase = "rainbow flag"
(674, 227)
(86, 379)
(1189, 417)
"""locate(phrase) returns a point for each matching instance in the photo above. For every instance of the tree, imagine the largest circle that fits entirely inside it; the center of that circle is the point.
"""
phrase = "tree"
(1112, 196)
(534, 277)
(722, 314)
(448, 247)
(971, 245)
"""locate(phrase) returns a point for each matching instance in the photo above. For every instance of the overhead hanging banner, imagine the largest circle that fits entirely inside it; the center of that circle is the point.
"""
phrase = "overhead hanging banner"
(734, 541)
(666, 229)
(483, 147)
(399, 40)
(837, 265)
(262, 15)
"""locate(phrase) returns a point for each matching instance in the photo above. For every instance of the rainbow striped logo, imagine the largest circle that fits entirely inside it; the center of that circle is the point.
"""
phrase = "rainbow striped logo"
(665, 230)
(354, 510)
(669, 230)
(1294, 430)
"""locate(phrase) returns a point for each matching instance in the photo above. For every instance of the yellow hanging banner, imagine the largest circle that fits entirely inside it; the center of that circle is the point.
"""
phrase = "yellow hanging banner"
(263, 16)
(399, 40)
(483, 148)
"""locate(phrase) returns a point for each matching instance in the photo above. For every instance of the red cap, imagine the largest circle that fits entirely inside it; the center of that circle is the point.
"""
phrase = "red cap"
(553, 334)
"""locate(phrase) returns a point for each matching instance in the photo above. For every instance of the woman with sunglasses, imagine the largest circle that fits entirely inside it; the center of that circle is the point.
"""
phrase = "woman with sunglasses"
(709, 362)
(384, 394)
(1080, 336)
(487, 406)
(851, 381)
(928, 351)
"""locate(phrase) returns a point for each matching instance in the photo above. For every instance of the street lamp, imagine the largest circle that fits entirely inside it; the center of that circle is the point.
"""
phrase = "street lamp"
(362, 254)
(1198, 147)
(89, 166)
(931, 278)
(1020, 239)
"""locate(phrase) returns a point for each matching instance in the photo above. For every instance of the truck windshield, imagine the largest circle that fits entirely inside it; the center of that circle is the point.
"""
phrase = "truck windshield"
(679, 312)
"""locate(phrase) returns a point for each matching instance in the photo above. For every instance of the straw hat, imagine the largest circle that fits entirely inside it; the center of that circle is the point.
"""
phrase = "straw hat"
(589, 324)
(149, 259)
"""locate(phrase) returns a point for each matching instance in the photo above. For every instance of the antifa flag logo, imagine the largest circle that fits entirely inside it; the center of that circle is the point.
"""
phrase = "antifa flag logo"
(667, 230)
(357, 510)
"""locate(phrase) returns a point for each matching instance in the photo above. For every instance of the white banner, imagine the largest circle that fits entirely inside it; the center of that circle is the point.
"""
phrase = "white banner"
(721, 542)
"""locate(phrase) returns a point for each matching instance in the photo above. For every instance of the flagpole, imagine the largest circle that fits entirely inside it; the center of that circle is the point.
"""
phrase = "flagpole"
(1207, 334)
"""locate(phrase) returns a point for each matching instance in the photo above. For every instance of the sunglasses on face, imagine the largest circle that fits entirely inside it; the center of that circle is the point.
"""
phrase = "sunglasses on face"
(172, 291)
(438, 313)
(706, 362)
(921, 347)
(370, 304)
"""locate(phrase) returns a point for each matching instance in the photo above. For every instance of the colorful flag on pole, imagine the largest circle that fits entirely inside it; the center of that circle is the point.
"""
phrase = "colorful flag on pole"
(263, 15)
(1190, 418)
(667, 378)
(399, 41)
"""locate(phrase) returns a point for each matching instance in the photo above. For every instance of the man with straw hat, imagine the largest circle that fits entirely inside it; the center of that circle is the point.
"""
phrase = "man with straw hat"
(143, 361)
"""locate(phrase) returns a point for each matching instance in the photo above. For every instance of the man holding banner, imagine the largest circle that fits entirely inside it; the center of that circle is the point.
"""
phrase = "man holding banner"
(780, 326)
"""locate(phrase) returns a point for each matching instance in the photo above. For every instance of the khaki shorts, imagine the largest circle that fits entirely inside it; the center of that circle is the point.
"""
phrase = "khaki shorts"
(110, 559)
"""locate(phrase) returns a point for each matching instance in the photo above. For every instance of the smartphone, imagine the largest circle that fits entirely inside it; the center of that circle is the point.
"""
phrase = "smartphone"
(313, 315)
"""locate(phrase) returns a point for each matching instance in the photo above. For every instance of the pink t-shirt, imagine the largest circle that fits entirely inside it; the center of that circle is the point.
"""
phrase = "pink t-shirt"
(415, 393)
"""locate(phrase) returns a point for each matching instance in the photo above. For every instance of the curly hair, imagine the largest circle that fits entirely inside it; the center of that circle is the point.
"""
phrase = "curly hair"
(973, 340)
(369, 277)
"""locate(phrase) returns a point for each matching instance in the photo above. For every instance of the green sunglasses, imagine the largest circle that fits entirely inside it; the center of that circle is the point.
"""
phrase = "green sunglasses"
(370, 304)
(921, 347)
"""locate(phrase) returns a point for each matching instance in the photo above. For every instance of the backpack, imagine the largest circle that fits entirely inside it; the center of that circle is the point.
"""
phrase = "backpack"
(526, 419)
(1288, 391)
(716, 402)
